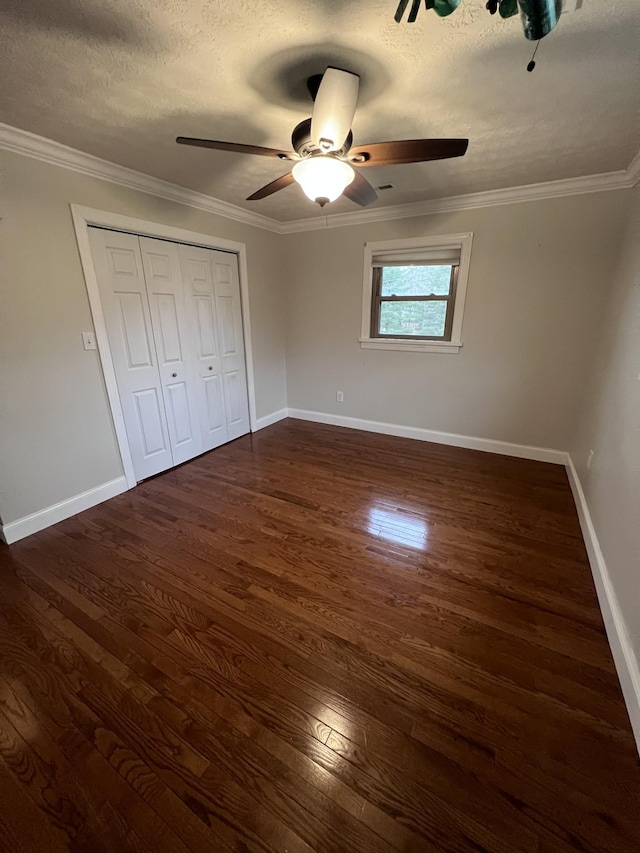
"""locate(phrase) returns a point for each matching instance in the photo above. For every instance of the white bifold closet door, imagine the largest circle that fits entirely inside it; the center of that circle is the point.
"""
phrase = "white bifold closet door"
(165, 293)
(174, 323)
(211, 279)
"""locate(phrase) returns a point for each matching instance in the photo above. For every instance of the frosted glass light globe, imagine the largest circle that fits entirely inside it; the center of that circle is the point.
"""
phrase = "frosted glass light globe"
(323, 179)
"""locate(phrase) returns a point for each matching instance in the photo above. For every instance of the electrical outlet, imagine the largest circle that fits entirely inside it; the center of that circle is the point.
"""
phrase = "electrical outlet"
(89, 340)
(589, 460)
(340, 396)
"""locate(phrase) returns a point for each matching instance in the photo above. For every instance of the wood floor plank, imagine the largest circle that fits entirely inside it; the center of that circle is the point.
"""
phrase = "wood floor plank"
(24, 827)
(315, 639)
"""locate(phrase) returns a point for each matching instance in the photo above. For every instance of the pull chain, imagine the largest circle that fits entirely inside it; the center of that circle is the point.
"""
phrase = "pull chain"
(532, 63)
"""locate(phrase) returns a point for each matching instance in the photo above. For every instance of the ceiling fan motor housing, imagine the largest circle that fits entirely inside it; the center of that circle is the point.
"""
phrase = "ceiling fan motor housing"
(304, 146)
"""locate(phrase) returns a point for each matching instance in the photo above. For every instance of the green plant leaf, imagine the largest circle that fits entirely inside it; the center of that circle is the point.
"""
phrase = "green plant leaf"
(508, 8)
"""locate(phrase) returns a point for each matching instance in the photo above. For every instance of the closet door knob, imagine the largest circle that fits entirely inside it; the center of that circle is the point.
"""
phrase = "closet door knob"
(210, 368)
(174, 375)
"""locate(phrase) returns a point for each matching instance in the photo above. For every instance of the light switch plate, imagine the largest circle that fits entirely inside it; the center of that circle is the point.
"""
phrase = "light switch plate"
(89, 340)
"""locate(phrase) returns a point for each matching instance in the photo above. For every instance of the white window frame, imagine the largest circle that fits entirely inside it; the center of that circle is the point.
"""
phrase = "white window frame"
(405, 247)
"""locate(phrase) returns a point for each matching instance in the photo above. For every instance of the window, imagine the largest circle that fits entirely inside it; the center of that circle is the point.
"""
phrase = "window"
(413, 301)
(414, 293)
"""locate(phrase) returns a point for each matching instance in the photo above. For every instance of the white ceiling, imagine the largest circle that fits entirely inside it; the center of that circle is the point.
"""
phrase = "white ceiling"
(120, 79)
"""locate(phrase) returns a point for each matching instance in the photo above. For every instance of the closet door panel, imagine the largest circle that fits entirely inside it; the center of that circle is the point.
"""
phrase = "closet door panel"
(235, 395)
(119, 271)
(206, 327)
(168, 342)
(230, 331)
(135, 331)
(227, 324)
(198, 277)
(150, 421)
(215, 403)
(180, 413)
(171, 333)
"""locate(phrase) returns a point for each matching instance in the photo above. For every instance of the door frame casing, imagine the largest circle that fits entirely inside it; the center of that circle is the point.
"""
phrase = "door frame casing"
(83, 218)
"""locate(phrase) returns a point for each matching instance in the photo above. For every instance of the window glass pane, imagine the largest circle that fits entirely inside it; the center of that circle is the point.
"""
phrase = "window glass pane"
(416, 281)
(413, 318)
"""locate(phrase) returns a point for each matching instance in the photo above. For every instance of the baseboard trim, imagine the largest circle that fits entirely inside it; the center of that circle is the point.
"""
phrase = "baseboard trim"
(29, 524)
(623, 655)
(273, 418)
(504, 448)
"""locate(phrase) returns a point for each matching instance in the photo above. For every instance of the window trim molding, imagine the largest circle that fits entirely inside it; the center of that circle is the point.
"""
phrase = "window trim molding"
(462, 242)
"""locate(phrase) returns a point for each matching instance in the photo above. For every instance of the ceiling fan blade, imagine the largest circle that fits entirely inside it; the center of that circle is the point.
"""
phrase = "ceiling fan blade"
(237, 147)
(360, 191)
(407, 151)
(334, 108)
(273, 187)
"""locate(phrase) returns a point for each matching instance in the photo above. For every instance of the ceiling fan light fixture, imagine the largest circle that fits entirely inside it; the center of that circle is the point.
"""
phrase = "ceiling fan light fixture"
(323, 178)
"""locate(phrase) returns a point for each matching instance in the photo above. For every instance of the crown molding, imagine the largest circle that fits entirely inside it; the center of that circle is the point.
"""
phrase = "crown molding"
(624, 179)
(30, 145)
(633, 170)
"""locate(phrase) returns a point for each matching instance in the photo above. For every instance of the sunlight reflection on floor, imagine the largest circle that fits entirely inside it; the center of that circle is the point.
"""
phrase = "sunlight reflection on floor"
(398, 525)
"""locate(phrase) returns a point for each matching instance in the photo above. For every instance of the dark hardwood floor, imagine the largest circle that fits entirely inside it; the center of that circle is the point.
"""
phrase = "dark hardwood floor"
(314, 639)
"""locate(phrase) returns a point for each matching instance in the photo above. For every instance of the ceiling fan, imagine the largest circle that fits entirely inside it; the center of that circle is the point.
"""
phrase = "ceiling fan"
(323, 157)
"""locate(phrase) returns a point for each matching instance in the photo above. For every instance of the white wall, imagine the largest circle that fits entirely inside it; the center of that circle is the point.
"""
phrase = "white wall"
(609, 424)
(56, 433)
(534, 299)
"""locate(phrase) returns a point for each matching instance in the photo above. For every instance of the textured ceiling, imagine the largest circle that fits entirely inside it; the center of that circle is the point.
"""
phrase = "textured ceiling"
(121, 78)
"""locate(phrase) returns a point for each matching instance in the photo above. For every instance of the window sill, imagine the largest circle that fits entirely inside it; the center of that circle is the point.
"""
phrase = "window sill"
(403, 345)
